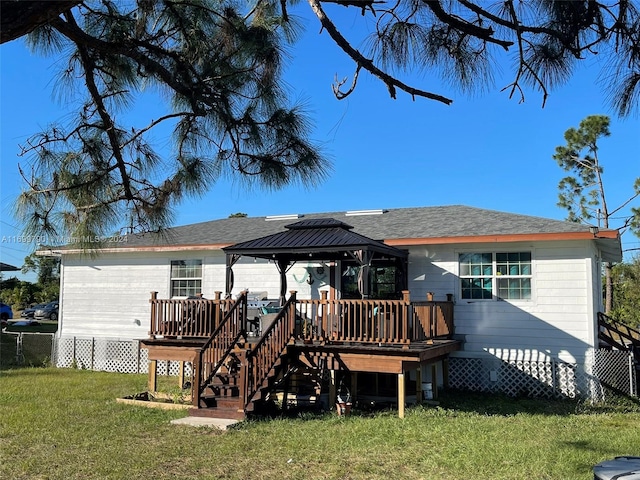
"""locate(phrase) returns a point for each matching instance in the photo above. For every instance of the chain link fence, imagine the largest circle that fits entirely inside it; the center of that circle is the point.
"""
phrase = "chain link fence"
(18, 349)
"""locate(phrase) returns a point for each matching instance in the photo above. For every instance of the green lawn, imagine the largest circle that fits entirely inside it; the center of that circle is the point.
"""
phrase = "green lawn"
(63, 423)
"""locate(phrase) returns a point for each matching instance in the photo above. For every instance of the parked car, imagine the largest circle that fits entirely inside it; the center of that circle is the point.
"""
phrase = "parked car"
(30, 312)
(5, 312)
(50, 311)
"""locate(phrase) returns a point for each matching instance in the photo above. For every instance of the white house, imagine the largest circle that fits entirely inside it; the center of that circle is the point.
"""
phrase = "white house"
(526, 290)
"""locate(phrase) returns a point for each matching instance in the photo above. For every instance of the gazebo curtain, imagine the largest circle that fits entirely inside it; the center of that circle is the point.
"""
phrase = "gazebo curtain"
(231, 261)
(283, 267)
(364, 258)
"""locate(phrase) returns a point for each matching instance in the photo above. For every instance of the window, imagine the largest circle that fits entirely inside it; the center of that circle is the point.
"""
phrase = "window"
(186, 278)
(484, 276)
(384, 281)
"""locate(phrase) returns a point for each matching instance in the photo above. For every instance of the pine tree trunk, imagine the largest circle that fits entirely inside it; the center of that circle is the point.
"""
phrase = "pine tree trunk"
(608, 289)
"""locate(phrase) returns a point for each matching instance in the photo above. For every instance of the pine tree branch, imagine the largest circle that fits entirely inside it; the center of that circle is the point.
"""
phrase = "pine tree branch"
(19, 17)
(366, 63)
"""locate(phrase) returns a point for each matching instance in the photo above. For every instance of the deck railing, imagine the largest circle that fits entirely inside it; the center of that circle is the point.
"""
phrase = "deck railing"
(374, 321)
(366, 321)
(263, 355)
(197, 317)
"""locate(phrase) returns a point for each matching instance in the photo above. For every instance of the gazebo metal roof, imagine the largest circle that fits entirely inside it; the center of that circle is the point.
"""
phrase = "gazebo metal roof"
(320, 239)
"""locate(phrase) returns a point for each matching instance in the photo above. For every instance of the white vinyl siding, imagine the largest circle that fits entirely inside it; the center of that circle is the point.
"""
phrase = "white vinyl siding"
(108, 296)
(557, 322)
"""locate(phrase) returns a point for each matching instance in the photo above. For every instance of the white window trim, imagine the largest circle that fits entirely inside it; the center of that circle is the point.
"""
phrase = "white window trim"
(171, 278)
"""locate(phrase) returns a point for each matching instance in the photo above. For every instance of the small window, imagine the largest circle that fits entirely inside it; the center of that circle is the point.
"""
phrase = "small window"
(505, 276)
(186, 278)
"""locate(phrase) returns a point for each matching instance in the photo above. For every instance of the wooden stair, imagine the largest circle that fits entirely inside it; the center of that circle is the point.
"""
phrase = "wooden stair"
(221, 397)
(233, 377)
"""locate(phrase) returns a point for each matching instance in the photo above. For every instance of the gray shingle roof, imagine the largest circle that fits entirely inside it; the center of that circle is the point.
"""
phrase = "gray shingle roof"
(393, 224)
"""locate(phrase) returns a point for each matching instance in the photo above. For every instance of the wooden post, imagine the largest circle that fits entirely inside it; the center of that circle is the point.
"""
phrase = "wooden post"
(419, 385)
(153, 320)
(244, 395)
(401, 395)
(181, 374)
(153, 376)
(354, 386)
(434, 380)
(195, 384)
(332, 389)
(406, 296)
(324, 325)
(287, 387)
(429, 296)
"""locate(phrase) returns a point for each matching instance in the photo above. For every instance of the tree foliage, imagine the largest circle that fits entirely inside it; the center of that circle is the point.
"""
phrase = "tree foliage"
(218, 64)
(226, 108)
(47, 268)
(582, 192)
(626, 293)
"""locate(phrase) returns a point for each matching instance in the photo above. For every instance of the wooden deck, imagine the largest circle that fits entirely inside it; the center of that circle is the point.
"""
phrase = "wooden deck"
(234, 371)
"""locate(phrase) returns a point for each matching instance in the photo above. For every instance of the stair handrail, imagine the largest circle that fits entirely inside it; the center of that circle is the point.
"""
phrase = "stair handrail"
(621, 329)
(228, 343)
(263, 355)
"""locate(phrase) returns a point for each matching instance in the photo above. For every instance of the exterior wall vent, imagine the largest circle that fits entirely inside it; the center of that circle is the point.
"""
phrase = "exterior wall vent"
(294, 216)
(353, 213)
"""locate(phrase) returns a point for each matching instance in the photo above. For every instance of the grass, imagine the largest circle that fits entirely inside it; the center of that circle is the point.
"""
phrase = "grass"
(65, 424)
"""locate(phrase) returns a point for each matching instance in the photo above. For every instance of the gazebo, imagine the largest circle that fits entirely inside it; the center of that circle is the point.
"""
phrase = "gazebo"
(324, 239)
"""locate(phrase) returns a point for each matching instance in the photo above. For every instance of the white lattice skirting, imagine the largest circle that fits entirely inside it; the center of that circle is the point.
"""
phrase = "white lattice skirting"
(109, 355)
(602, 370)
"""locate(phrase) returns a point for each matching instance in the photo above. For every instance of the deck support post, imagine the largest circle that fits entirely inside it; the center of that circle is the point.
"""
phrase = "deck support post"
(332, 388)
(181, 374)
(419, 385)
(287, 387)
(152, 383)
(354, 386)
(401, 395)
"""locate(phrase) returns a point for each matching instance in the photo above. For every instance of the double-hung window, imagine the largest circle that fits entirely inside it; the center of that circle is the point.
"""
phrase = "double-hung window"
(500, 276)
(186, 278)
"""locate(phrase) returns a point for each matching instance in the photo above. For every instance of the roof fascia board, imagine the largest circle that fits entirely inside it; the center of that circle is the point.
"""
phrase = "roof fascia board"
(516, 237)
(393, 242)
(154, 248)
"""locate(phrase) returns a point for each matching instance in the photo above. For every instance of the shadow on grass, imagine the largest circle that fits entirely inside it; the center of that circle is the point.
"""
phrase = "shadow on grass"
(504, 405)
(486, 404)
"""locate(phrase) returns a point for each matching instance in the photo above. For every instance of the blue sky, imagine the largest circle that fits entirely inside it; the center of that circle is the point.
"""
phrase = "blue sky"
(484, 150)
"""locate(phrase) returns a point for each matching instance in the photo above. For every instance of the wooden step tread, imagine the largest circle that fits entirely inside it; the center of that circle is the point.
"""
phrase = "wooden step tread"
(218, 412)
